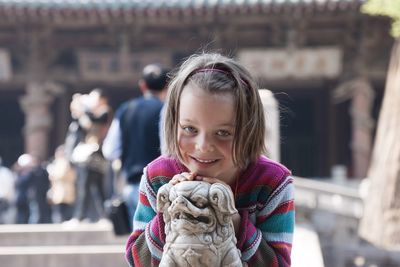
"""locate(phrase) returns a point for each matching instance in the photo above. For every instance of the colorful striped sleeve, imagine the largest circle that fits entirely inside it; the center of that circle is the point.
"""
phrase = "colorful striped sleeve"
(266, 233)
(145, 244)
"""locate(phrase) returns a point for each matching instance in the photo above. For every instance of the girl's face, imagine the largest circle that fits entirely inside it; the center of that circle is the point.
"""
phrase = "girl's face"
(205, 133)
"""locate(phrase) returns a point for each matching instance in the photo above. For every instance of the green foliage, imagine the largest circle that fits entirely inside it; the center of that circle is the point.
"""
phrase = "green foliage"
(390, 8)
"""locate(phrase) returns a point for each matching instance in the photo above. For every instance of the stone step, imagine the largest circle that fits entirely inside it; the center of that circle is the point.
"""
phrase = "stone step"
(15, 235)
(96, 245)
(63, 256)
(306, 250)
(61, 245)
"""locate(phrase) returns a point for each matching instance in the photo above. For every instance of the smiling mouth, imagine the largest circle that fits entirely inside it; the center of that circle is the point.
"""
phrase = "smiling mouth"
(205, 161)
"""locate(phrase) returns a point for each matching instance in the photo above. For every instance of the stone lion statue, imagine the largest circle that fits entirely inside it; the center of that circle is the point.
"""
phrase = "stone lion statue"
(198, 225)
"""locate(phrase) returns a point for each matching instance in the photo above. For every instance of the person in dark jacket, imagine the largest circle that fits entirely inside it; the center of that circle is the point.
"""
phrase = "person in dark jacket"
(32, 185)
(133, 137)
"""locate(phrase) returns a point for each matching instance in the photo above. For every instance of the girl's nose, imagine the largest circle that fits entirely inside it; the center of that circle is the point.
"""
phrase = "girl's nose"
(204, 144)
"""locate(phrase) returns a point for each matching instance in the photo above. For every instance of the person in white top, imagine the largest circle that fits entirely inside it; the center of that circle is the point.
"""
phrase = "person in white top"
(7, 191)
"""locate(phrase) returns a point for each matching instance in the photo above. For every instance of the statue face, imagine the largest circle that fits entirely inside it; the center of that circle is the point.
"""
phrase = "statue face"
(190, 208)
(198, 224)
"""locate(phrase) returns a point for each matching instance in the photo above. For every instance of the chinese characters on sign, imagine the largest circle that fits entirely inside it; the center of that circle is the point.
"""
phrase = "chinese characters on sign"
(307, 63)
(94, 65)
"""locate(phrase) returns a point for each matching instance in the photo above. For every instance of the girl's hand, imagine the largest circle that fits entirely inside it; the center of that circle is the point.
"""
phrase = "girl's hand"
(184, 176)
(210, 180)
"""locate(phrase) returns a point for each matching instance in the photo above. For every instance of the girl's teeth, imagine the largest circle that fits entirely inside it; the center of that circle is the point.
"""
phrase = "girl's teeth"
(205, 161)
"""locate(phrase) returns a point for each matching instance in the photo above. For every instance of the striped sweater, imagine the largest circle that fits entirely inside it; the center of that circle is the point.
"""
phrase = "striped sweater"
(264, 199)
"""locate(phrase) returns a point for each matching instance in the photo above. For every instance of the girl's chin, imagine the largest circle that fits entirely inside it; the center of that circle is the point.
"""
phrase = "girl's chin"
(205, 174)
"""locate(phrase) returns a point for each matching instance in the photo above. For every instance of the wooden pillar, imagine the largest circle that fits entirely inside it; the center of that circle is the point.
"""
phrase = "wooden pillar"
(362, 96)
(39, 91)
(362, 127)
(38, 120)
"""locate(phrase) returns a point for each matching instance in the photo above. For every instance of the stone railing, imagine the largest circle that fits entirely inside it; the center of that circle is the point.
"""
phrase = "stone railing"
(334, 211)
(341, 199)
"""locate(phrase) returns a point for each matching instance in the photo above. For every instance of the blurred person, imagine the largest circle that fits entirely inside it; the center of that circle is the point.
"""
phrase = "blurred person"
(62, 178)
(76, 133)
(94, 117)
(133, 137)
(31, 187)
(7, 180)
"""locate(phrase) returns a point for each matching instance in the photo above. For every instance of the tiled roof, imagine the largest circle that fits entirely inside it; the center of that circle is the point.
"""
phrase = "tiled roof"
(165, 3)
(127, 10)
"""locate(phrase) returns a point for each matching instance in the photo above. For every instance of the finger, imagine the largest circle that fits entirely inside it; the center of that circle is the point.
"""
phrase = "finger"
(188, 176)
(198, 178)
(207, 179)
(175, 179)
(212, 180)
(184, 176)
(192, 176)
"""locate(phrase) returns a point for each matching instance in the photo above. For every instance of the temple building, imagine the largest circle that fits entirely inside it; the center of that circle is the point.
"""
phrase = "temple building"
(324, 60)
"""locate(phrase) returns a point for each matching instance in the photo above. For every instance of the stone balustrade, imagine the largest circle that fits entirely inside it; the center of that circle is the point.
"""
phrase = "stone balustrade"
(334, 210)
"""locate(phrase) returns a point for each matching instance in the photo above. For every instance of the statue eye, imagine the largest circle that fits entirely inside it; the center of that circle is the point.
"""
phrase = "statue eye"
(201, 202)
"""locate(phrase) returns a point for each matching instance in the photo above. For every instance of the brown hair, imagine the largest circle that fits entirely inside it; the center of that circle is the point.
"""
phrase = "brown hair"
(218, 74)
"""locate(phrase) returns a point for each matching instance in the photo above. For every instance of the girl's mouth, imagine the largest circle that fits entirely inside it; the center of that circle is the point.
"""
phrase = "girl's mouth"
(205, 161)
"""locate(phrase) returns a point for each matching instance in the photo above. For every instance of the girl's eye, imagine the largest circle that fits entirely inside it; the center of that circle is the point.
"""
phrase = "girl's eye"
(223, 133)
(189, 129)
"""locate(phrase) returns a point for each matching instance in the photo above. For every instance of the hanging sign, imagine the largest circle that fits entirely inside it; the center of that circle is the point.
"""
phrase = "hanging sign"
(304, 63)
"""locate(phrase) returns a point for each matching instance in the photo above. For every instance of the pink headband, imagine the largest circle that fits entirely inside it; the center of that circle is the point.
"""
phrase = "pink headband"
(219, 71)
(211, 70)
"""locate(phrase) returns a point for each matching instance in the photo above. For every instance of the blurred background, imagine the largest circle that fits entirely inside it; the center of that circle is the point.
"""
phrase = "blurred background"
(325, 62)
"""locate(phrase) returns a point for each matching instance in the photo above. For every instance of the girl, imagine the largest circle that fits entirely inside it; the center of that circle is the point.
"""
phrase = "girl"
(214, 131)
